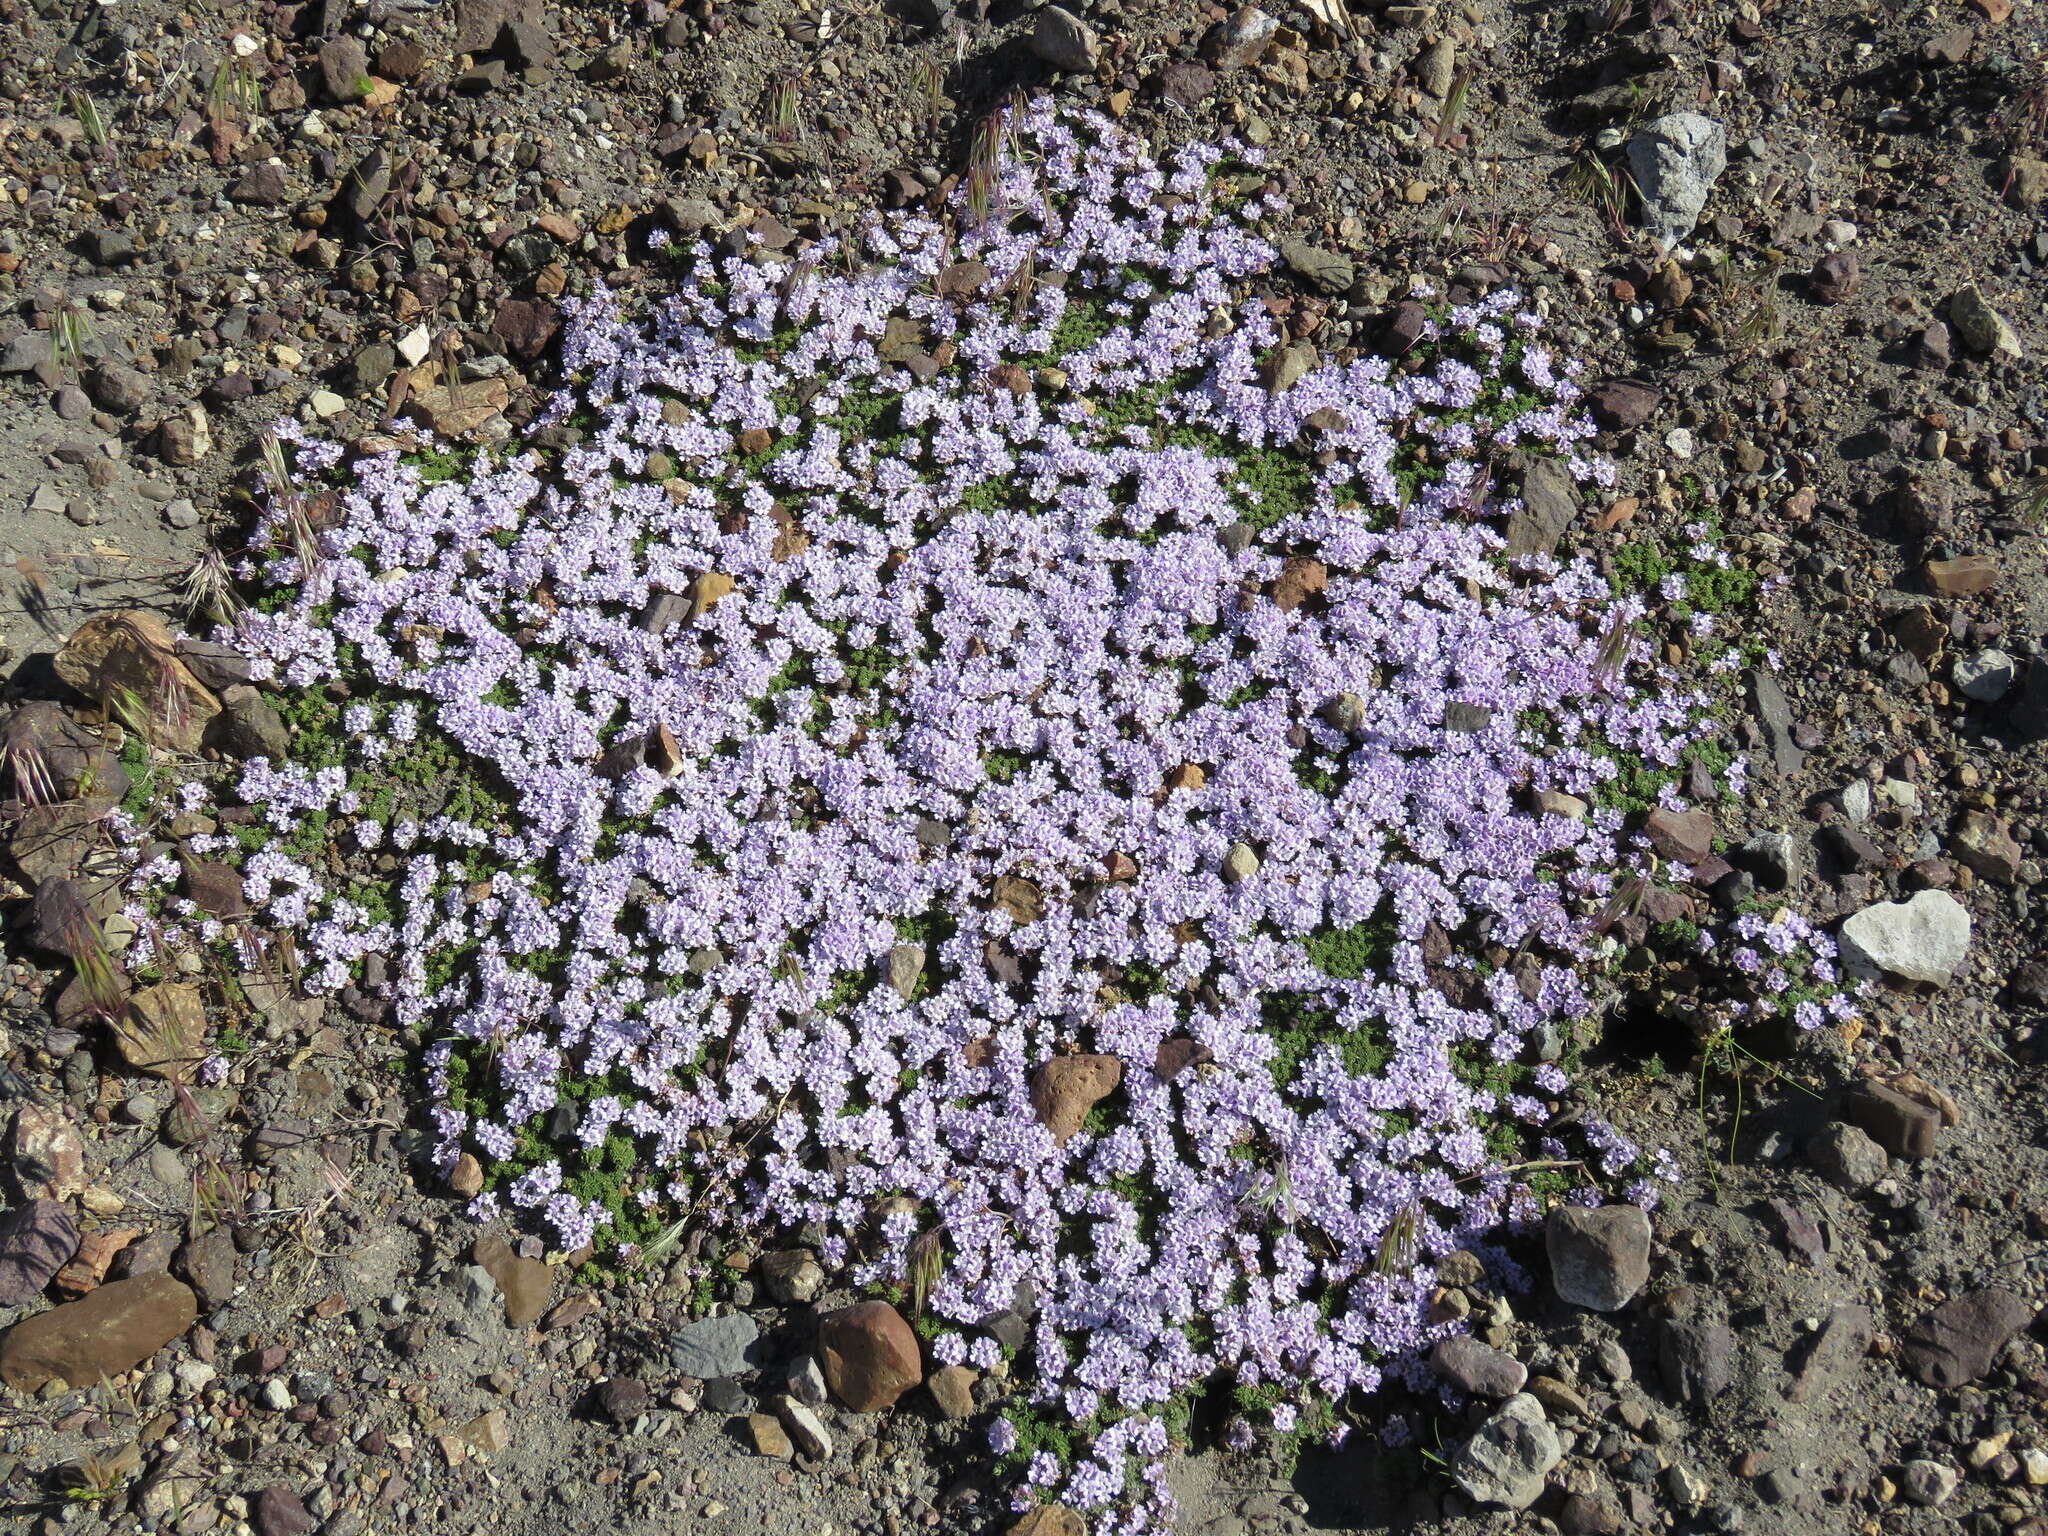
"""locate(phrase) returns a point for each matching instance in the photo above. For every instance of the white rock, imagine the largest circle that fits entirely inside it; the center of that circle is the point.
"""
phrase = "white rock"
(412, 346)
(1924, 939)
(326, 402)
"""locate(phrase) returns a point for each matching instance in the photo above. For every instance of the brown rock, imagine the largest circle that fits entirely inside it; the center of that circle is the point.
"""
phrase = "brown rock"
(1958, 1340)
(1020, 898)
(1963, 577)
(36, 1240)
(1903, 1125)
(525, 1283)
(1620, 404)
(112, 1330)
(1983, 843)
(1300, 579)
(524, 327)
(869, 1355)
(1067, 1087)
(453, 411)
(1050, 1520)
(129, 662)
(88, 1266)
(1177, 1054)
(1686, 837)
(162, 1032)
(1837, 278)
(952, 1390)
(466, 1178)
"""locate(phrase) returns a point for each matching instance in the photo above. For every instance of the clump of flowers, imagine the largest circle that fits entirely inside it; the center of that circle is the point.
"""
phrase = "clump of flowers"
(971, 748)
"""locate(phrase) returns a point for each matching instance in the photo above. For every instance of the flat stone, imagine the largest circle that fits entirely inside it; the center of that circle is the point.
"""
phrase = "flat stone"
(1984, 843)
(1549, 506)
(36, 1240)
(1774, 714)
(1958, 1340)
(108, 1331)
(162, 1032)
(1067, 1087)
(805, 1428)
(1685, 837)
(714, 1348)
(952, 1390)
(1324, 270)
(46, 1154)
(1925, 938)
(1835, 1355)
(1698, 1360)
(1478, 1369)
(524, 1283)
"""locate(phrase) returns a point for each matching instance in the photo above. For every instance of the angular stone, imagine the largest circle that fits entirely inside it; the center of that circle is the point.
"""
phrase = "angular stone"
(1241, 41)
(1774, 714)
(1599, 1258)
(714, 1348)
(1903, 1126)
(207, 1261)
(1983, 843)
(791, 1275)
(1324, 270)
(130, 660)
(1050, 1520)
(1835, 1354)
(1847, 1158)
(1507, 1461)
(952, 1390)
(805, 1428)
(1550, 504)
(162, 1032)
(278, 1511)
(1958, 1340)
(1067, 1087)
(36, 1240)
(1065, 41)
(1478, 1369)
(1622, 404)
(524, 1283)
(46, 1154)
(1686, 837)
(1983, 328)
(1675, 160)
(870, 1356)
(1925, 938)
(1299, 580)
(1964, 576)
(111, 1330)
(1698, 1360)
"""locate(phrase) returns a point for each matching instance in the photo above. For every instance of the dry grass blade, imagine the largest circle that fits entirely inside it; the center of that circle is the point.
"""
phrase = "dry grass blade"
(1454, 107)
(925, 1267)
(1397, 1248)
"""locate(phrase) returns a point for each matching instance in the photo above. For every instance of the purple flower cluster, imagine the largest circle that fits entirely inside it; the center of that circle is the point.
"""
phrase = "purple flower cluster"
(945, 654)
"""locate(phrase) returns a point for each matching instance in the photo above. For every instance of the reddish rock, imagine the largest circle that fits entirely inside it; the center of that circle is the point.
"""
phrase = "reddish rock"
(1685, 837)
(1050, 1520)
(1958, 1340)
(113, 1329)
(1620, 404)
(869, 1355)
(1963, 577)
(1300, 579)
(36, 1240)
(525, 1283)
(1067, 1087)
(1837, 278)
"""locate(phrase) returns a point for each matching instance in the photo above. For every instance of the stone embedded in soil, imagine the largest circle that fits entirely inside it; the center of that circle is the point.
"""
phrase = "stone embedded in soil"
(207, 1262)
(791, 1275)
(621, 1399)
(1697, 1359)
(1550, 504)
(1675, 160)
(1905, 1124)
(1242, 40)
(1925, 938)
(870, 1356)
(1837, 277)
(1774, 714)
(1509, 1459)
(952, 1390)
(46, 1154)
(111, 1330)
(1067, 1087)
(1050, 1520)
(1984, 843)
(713, 1348)
(132, 653)
(1324, 270)
(805, 1428)
(1964, 576)
(1928, 1483)
(278, 1511)
(1598, 1258)
(1835, 1353)
(1846, 1157)
(36, 1240)
(1958, 1340)
(162, 1031)
(1686, 837)
(1476, 1368)
(1620, 404)
(1984, 676)
(524, 1283)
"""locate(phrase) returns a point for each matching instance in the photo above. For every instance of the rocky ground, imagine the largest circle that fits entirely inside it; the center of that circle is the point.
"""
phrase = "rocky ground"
(364, 215)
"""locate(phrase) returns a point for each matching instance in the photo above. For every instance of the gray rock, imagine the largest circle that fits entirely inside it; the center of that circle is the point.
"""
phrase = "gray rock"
(1983, 328)
(1958, 1340)
(1478, 1369)
(1986, 676)
(1550, 503)
(1065, 41)
(1325, 271)
(1698, 1360)
(1241, 41)
(115, 388)
(1675, 160)
(250, 727)
(1598, 1258)
(36, 1240)
(1923, 939)
(905, 966)
(1847, 1158)
(716, 1347)
(1776, 859)
(1506, 1462)
(1928, 1482)
(1835, 1355)
(1775, 715)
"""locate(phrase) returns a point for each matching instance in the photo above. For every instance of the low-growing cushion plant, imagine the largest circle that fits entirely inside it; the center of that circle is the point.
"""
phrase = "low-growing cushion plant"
(956, 743)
